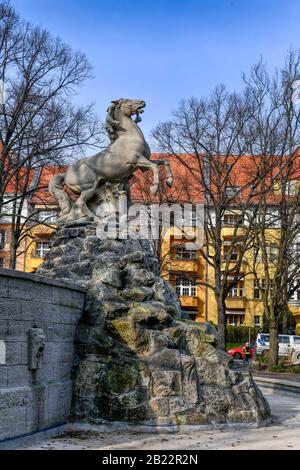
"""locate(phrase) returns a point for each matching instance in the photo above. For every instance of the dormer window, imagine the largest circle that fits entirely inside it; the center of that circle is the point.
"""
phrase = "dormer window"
(232, 191)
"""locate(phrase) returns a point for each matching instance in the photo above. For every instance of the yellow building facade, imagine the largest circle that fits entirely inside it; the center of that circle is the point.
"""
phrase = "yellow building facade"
(185, 268)
(39, 235)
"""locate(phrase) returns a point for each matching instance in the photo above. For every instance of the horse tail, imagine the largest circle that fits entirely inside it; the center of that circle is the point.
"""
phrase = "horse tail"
(56, 189)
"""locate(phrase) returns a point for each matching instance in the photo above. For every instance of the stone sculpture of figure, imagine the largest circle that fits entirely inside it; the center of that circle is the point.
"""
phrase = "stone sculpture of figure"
(36, 345)
(127, 152)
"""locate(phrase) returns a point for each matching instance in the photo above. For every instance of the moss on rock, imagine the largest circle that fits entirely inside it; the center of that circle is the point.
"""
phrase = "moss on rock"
(123, 330)
(121, 379)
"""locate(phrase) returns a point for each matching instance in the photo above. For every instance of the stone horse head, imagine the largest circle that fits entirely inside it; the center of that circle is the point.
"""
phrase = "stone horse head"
(128, 108)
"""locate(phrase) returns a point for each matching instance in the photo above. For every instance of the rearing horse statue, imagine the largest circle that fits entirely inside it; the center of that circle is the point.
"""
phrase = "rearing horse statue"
(127, 152)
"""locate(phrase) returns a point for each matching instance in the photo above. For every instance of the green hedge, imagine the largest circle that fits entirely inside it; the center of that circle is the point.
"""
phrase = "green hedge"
(240, 334)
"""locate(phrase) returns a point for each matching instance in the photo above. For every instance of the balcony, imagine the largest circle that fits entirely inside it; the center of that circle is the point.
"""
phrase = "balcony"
(236, 302)
(229, 230)
(189, 301)
(183, 265)
(233, 262)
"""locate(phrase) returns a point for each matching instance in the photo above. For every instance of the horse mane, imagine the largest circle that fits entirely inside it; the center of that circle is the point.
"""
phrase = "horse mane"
(111, 124)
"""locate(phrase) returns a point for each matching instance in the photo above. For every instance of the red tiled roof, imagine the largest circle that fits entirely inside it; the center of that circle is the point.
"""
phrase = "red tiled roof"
(42, 194)
(186, 187)
(19, 181)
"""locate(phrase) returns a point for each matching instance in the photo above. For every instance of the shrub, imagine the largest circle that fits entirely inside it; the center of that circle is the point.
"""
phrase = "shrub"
(240, 334)
(278, 368)
(262, 358)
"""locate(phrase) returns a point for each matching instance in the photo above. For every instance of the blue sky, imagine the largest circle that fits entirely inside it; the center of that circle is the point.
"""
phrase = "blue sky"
(165, 50)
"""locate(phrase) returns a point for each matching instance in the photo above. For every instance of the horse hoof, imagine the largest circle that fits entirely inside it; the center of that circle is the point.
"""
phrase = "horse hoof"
(170, 181)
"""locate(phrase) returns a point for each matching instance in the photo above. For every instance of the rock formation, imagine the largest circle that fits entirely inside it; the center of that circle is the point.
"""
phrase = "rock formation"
(137, 361)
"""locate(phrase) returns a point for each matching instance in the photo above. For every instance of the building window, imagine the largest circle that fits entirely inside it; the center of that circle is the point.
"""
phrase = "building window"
(272, 251)
(1, 262)
(292, 188)
(257, 321)
(184, 253)
(256, 289)
(41, 249)
(195, 221)
(186, 286)
(269, 218)
(232, 219)
(236, 290)
(7, 209)
(2, 239)
(258, 286)
(235, 319)
(296, 293)
(234, 252)
(297, 249)
(47, 216)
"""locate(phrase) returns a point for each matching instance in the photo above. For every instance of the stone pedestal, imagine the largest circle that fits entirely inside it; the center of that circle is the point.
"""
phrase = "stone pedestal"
(136, 361)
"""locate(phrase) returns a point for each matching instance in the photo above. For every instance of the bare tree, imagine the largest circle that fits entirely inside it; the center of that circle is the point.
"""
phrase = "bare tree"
(276, 137)
(238, 148)
(210, 138)
(39, 124)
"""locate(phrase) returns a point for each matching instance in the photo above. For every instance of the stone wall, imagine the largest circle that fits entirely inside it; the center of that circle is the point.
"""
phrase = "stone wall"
(33, 400)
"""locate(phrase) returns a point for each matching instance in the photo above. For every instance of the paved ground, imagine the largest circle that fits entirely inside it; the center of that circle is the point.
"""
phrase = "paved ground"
(282, 376)
(282, 434)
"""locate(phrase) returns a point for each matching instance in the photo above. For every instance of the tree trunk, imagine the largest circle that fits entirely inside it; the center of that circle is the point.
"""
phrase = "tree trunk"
(221, 323)
(284, 320)
(13, 250)
(273, 354)
(13, 256)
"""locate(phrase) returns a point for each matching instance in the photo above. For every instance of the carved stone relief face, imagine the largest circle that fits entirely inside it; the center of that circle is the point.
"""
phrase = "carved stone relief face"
(36, 345)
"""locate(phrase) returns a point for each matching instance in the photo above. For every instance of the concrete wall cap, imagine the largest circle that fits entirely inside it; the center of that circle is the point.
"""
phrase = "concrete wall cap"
(12, 273)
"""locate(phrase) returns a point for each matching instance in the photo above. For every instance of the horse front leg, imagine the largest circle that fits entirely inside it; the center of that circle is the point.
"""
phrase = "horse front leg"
(155, 172)
(145, 164)
(168, 173)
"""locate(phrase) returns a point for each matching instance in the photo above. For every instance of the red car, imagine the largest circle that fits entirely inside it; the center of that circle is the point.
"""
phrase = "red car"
(237, 353)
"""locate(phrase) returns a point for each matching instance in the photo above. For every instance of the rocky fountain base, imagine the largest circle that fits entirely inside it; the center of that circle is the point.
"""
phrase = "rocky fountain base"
(137, 362)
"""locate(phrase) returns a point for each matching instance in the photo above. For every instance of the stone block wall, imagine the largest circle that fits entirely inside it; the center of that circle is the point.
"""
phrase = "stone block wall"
(34, 400)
